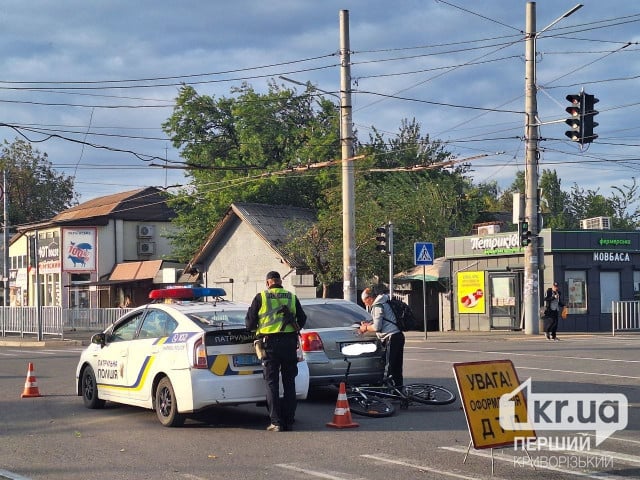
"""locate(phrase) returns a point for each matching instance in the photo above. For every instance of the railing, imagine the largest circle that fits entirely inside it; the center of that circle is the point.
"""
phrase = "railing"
(56, 320)
(625, 316)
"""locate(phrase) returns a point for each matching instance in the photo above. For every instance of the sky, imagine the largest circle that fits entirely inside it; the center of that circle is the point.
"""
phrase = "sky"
(90, 83)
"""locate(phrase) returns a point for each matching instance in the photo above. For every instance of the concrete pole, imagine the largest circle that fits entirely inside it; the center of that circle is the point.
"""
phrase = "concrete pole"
(531, 289)
(348, 183)
(5, 238)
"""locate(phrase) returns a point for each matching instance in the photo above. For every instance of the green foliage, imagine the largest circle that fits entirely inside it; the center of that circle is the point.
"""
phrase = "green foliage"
(236, 149)
(36, 191)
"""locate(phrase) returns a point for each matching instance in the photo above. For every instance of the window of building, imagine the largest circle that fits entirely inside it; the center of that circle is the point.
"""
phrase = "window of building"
(609, 290)
(636, 285)
(575, 290)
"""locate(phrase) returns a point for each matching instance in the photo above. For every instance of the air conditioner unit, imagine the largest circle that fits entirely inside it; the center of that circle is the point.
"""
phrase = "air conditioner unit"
(146, 231)
(146, 248)
(596, 223)
(488, 229)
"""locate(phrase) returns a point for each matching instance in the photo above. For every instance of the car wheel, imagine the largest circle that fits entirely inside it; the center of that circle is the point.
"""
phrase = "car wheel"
(90, 390)
(166, 405)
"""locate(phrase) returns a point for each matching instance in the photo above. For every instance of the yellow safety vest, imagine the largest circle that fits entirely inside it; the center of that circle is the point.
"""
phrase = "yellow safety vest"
(270, 320)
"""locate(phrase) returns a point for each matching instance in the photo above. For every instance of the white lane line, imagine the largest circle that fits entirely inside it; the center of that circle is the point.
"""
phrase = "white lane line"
(505, 458)
(419, 466)
(317, 474)
(535, 355)
(12, 476)
(520, 367)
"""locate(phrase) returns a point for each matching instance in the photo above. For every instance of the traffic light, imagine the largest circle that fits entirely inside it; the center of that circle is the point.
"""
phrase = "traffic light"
(575, 121)
(525, 234)
(588, 101)
(382, 239)
(581, 120)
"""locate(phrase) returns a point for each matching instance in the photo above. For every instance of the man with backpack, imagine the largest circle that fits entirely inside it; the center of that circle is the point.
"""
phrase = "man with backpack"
(386, 328)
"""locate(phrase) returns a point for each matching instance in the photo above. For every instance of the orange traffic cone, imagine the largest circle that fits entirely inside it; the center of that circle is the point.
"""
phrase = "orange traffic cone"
(342, 414)
(31, 386)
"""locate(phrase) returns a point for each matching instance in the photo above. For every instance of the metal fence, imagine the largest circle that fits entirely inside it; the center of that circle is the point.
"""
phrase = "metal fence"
(56, 321)
(625, 316)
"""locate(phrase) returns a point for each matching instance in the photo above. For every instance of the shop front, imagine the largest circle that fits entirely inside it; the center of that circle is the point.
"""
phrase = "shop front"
(593, 268)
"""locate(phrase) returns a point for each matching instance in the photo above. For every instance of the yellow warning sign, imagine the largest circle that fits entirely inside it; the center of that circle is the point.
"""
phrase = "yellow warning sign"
(493, 403)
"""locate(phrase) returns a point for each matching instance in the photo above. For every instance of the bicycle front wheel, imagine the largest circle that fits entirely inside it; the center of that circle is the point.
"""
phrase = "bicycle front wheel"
(370, 406)
(429, 394)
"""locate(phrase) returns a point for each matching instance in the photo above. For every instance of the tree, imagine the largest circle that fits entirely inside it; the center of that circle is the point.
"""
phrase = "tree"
(623, 198)
(232, 144)
(36, 191)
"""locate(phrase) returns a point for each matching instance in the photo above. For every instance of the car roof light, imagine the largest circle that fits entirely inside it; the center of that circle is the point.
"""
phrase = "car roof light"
(185, 293)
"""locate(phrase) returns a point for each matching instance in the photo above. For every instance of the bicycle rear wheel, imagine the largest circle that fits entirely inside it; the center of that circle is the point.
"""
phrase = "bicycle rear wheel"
(429, 394)
(370, 406)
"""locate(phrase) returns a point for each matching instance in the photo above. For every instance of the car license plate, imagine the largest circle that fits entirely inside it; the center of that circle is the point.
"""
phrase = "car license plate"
(346, 344)
(248, 360)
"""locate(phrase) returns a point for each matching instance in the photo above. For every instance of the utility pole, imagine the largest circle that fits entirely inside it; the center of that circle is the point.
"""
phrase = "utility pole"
(531, 261)
(349, 287)
(5, 239)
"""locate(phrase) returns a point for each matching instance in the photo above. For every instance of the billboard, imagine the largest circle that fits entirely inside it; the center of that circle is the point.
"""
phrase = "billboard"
(79, 249)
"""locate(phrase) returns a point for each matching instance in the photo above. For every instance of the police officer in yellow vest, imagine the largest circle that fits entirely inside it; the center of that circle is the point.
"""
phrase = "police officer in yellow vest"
(276, 316)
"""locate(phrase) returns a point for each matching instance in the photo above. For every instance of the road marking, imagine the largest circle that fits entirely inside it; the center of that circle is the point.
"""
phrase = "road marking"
(505, 458)
(317, 474)
(520, 367)
(510, 354)
(419, 466)
(12, 476)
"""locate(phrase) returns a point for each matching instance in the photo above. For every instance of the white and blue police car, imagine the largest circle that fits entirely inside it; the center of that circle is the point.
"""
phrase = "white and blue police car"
(177, 355)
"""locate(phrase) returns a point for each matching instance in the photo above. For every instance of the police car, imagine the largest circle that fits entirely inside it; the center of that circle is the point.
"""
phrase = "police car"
(177, 355)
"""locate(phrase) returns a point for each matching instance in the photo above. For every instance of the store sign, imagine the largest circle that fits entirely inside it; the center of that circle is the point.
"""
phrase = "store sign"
(496, 245)
(611, 257)
(615, 241)
(79, 249)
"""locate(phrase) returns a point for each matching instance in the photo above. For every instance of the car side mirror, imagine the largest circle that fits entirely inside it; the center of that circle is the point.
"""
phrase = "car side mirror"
(99, 339)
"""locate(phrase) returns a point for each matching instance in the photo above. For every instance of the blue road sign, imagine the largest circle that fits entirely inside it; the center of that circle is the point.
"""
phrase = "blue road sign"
(423, 253)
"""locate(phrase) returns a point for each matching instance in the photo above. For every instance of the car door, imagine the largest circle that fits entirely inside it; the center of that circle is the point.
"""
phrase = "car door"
(146, 353)
(112, 360)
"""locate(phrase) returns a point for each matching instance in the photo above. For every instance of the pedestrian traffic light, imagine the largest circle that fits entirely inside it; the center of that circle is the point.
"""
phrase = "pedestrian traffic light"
(581, 121)
(382, 239)
(588, 102)
(525, 234)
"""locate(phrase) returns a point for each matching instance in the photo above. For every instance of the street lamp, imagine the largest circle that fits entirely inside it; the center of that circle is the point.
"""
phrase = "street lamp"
(531, 260)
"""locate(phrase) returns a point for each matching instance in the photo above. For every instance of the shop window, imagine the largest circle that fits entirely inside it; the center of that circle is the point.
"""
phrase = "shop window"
(575, 295)
(609, 290)
(636, 285)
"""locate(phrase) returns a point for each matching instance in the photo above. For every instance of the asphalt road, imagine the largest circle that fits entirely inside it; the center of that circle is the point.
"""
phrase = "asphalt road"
(55, 437)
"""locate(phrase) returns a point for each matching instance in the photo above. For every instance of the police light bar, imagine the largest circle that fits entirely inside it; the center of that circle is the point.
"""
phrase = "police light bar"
(186, 293)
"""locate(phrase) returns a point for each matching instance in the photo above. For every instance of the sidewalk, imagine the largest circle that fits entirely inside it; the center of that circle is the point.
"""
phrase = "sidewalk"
(76, 338)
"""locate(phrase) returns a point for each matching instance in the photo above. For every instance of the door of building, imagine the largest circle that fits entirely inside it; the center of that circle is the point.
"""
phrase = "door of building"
(505, 290)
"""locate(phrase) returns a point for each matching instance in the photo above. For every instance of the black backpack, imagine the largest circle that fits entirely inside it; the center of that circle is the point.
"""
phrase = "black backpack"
(404, 316)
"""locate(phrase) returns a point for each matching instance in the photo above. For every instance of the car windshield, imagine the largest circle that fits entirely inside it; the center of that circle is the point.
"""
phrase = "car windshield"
(218, 318)
(328, 315)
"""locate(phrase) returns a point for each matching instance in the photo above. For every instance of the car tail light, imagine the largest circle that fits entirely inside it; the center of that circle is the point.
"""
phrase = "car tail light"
(200, 354)
(310, 342)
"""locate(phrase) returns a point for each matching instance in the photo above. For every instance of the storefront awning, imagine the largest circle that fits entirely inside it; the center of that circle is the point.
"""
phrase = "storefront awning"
(132, 271)
(428, 273)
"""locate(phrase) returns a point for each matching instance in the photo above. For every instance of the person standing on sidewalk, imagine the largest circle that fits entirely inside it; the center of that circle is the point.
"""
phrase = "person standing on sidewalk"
(276, 316)
(387, 331)
(552, 307)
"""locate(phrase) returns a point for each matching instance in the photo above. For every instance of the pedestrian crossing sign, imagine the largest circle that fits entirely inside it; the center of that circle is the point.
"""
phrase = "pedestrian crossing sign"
(423, 253)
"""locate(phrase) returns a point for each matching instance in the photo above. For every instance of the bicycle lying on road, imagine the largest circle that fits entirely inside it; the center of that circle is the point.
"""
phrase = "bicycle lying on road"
(375, 401)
